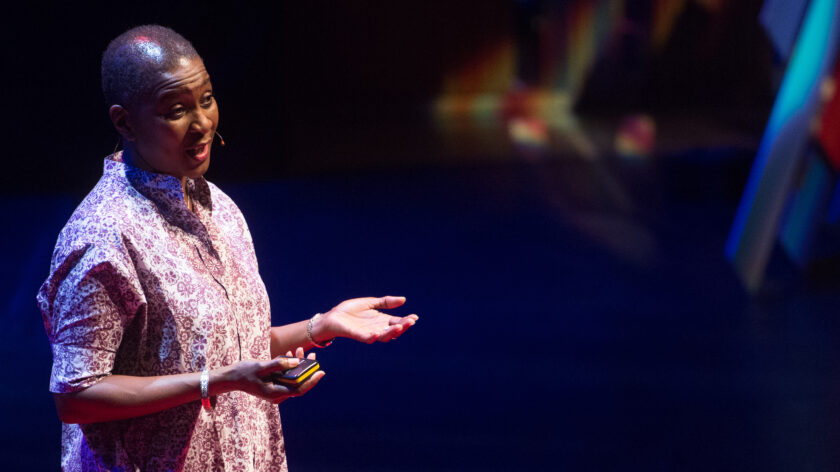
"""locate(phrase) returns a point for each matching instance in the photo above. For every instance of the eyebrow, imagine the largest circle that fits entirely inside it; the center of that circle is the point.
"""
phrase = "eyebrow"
(182, 90)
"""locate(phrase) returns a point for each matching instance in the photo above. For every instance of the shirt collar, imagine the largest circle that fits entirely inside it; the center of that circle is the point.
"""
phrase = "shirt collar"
(164, 190)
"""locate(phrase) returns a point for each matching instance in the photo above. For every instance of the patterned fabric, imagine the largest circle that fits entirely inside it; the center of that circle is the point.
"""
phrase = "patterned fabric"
(139, 285)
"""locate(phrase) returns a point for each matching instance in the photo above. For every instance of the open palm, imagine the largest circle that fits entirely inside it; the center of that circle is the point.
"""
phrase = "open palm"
(360, 319)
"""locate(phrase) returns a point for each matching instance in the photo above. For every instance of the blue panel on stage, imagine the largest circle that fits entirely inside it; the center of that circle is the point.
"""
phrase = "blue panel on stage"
(808, 207)
(781, 19)
(756, 221)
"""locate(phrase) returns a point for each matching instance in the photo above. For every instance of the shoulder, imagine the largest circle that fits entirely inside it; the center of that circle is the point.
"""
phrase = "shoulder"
(221, 200)
(223, 205)
(91, 244)
(228, 215)
(101, 219)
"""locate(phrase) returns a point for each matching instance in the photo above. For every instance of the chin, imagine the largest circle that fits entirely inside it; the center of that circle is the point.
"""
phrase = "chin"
(198, 171)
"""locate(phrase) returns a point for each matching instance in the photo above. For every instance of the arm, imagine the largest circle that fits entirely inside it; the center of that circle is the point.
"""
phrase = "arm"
(358, 319)
(120, 396)
(287, 337)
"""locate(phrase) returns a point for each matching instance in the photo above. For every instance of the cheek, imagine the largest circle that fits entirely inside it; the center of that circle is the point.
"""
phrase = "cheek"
(170, 134)
(160, 143)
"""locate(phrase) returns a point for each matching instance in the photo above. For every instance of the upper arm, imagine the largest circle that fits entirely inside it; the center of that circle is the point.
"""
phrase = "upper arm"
(87, 302)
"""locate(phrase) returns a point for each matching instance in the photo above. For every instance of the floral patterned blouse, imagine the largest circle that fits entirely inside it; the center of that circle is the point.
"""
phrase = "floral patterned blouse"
(139, 285)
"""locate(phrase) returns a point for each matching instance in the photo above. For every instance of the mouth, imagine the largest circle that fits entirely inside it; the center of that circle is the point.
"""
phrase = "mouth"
(199, 152)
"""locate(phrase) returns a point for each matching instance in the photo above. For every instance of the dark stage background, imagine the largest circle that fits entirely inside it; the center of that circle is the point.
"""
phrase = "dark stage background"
(576, 310)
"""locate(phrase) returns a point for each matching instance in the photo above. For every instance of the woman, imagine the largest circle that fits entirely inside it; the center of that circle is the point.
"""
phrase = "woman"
(157, 317)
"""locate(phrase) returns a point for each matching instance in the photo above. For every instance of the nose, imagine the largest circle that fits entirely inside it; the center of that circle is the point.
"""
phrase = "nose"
(201, 122)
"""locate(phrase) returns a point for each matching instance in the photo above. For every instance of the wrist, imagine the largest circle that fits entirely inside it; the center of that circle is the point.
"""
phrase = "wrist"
(204, 388)
(317, 331)
(221, 381)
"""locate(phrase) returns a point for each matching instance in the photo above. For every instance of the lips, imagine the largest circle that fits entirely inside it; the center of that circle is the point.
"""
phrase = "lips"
(199, 152)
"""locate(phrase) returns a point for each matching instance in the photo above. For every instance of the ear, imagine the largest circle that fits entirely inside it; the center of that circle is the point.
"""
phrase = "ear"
(119, 117)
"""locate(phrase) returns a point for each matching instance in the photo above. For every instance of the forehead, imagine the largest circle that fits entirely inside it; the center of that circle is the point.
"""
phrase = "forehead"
(188, 76)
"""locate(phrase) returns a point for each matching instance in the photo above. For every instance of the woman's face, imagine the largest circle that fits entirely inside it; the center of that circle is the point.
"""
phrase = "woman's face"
(173, 128)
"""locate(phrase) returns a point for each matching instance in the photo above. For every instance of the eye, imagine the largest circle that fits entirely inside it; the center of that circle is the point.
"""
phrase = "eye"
(207, 100)
(175, 113)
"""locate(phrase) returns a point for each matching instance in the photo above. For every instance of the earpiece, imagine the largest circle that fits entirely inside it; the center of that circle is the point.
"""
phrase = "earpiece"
(221, 139)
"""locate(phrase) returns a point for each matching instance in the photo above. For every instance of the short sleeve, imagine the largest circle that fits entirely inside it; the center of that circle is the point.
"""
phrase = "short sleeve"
(90, 298)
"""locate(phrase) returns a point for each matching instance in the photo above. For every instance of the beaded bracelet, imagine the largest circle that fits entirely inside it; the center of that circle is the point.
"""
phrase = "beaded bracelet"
(309, 333)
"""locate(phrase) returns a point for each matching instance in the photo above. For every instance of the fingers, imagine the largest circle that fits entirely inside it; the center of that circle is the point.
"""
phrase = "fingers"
(278, 393)
(398, 327)
(279, 363)
(254, 377)
(383, 303)
(287, 362)
(369, 338)
(282, 393)
(371, 303)
(275, 393)
(395, 327)
(299, 353)
(311, 382)
(390, 333)
(409, 321)
(397, 320)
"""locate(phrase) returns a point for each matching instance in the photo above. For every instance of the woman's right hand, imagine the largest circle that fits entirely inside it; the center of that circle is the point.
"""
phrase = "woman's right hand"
(253, 377)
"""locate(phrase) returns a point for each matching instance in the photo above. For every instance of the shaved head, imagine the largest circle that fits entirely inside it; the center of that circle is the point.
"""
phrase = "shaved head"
(135, 59)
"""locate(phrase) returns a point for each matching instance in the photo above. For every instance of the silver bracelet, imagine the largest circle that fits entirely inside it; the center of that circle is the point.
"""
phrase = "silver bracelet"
(204, 382)
(309, 333)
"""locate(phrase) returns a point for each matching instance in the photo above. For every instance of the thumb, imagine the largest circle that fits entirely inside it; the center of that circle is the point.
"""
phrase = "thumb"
(388, 301)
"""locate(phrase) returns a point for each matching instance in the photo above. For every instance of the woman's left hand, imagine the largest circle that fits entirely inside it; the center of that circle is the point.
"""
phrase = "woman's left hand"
(360, 319)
